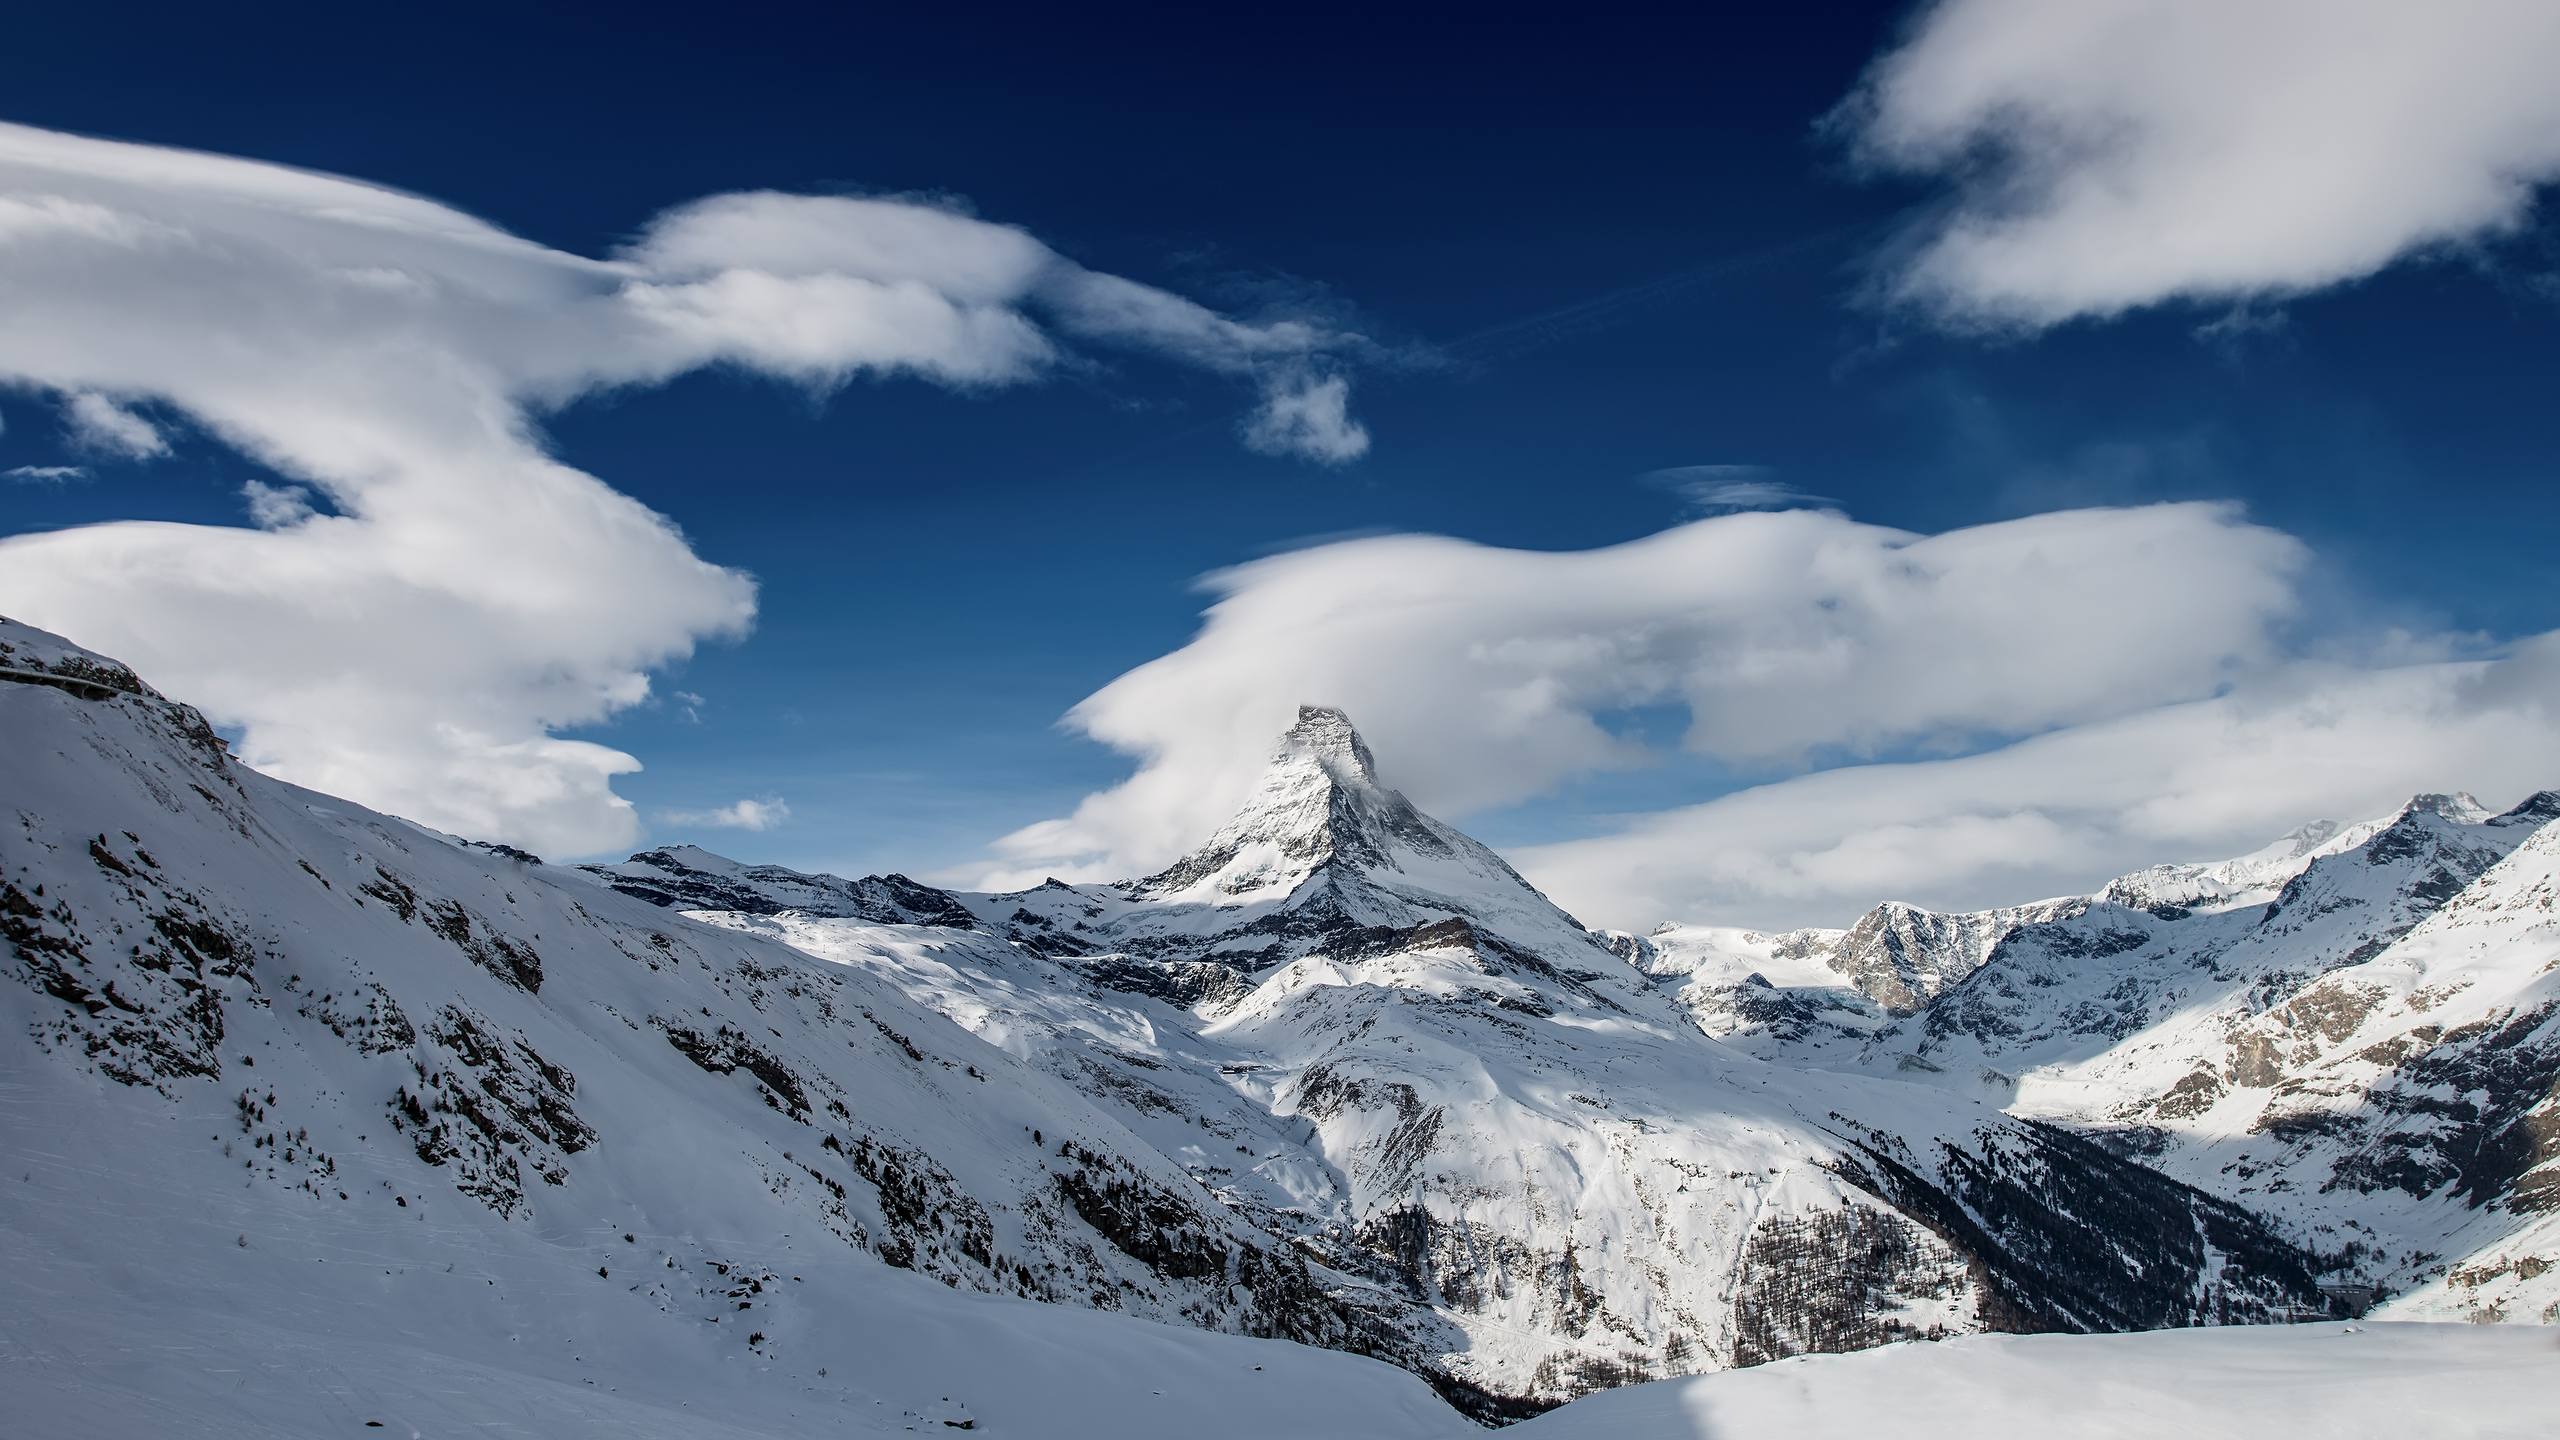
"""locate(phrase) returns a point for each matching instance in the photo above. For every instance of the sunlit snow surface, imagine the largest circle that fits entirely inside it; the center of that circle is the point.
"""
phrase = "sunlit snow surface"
(138, 1315)
(2337, 1382)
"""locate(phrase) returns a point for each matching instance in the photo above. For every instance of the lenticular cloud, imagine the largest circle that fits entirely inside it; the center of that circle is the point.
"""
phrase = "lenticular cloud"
(2020, 708)
(2105, 155)
(415, 641)
(1788, 637)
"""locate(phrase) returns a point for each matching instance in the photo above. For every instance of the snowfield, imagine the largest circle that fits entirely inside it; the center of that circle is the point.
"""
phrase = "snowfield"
(2336, 1382)
(145, 1317)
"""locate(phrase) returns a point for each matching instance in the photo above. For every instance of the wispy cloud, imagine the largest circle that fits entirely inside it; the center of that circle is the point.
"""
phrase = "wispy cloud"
(47, 474)
(274, 507)
(2105, 155)
(2062, 812)
(1309, 416)
(762, 814)
(99, 424)
(2231, 333)
(1723, 489)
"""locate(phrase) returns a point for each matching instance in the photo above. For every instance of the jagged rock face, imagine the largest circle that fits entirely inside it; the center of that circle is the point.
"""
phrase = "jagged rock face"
(1902, 957)
(1561, 1197)
(2420, 1088)
(684, 877)
(1892, 963)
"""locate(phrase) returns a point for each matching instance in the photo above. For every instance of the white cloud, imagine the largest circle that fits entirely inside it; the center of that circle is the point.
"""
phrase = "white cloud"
(2105, 155)
(2109, 689)
(1308, 416)
(835, 277)
(416, 642)
(46, 474)
(99, 424)
(1484, 676)
(1718, 489)
(2061, 813)
(273, 507)
(742, 815)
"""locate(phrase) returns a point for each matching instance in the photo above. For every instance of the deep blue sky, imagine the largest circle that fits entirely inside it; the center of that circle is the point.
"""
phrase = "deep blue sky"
(1622, 233)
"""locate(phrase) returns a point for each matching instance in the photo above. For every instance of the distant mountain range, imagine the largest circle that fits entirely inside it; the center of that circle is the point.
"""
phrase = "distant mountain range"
(1340, 1076)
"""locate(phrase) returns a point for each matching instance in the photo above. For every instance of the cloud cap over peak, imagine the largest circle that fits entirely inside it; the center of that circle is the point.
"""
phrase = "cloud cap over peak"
(1485, 676)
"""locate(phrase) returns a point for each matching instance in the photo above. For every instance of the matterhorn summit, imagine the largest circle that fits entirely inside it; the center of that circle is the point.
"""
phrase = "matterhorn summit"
(1319, 853)
(1318, 798)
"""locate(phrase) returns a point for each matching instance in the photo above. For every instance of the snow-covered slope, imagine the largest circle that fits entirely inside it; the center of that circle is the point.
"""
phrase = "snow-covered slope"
(2351, 1031)
(2347, 1382)
(1365, 1033)
(681, 1134)
(1730, 980)
(2251, 879)
(290, 1084)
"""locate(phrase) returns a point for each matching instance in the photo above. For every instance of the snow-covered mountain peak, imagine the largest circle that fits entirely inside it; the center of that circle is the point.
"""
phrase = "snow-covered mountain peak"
(2539, 808)
(1319, 854)
(1320, 858)
(1318, 801)
(2302, 840)
(692, 857)
(2244, 880)
(2459, 807)
(1325, 735)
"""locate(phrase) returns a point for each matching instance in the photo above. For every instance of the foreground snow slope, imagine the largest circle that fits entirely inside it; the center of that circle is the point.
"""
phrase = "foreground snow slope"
(2340, 1382)
(133, 1310)
(312, 1118)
